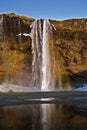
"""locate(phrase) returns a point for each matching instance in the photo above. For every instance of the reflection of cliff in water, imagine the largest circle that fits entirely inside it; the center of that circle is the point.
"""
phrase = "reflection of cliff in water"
(61, 117)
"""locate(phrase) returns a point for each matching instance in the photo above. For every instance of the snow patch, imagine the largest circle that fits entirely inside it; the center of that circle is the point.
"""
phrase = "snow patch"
(23, 34)
(83, 88)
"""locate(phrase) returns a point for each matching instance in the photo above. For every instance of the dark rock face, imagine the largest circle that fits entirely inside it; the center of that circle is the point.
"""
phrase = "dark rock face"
(70, 47)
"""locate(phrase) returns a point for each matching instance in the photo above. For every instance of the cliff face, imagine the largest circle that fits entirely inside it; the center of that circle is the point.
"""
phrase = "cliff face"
(15, 51)
(70, 40)
(70, 47)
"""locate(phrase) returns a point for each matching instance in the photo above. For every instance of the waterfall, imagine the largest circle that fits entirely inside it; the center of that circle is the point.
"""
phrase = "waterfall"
(42, 64)
(1, 28)
(19, 31)
(5, 51)
(46, 63)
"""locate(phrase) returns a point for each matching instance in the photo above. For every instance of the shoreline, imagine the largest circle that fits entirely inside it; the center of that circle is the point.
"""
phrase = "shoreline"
(52, 97)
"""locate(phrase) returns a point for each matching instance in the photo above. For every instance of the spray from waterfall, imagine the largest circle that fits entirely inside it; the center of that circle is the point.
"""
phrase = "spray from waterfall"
(43, 59)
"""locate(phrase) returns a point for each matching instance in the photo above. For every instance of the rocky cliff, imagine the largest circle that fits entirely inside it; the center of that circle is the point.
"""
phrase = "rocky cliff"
(70, 47)
(70, 40)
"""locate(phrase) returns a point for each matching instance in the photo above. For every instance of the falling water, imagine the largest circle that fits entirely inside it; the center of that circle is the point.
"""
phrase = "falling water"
(19, 31)
(5, 51)
(1, 28)
(46, 63)
(42, 65)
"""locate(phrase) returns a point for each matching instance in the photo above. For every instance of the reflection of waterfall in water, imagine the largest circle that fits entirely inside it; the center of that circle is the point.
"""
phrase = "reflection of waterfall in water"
(47, 115)
(43, 60)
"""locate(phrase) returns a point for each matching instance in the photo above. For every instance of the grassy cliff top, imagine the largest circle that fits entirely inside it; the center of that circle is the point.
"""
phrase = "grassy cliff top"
(25, 19)
(71, 24)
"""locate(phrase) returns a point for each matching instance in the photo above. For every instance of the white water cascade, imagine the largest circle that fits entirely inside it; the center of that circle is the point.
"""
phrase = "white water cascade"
(1, 28)
(43, 59)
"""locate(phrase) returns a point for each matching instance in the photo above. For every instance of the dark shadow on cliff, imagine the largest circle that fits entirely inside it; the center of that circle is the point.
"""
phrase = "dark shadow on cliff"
(78, 79)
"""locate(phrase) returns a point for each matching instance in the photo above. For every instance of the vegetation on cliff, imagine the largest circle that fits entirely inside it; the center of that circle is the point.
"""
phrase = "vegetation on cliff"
(70, 45)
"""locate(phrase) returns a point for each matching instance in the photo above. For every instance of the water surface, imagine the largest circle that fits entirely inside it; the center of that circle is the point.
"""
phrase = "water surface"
(43, 117)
